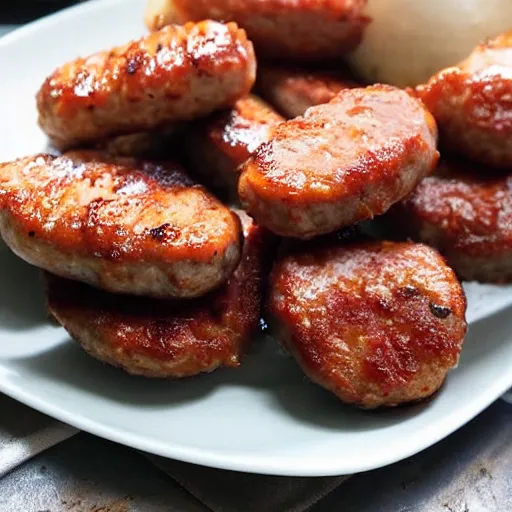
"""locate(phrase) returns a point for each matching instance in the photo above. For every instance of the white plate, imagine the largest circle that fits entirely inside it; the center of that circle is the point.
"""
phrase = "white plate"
(263, 418)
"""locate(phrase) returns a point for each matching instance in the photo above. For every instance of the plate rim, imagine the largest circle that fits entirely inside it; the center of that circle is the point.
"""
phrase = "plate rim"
(267, 465)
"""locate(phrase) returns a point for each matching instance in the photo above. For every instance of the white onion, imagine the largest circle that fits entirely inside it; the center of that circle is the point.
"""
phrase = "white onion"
(409, 40)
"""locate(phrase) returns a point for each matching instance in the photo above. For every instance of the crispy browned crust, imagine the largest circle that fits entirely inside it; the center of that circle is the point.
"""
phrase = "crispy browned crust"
(376, 323)
(301, 30)
(293, 90)
(466, 214)
(472, 103)
(215, 147)
(120, 224)
(163, 338)
(342, 162)
(177, 73)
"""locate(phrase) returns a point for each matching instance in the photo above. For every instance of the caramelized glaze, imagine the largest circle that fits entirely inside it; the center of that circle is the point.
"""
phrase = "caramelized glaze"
(472, 103)
(377, 323)
(168, 338)
(340, 163)
(121, 224)
(177, 73)
(300, 30)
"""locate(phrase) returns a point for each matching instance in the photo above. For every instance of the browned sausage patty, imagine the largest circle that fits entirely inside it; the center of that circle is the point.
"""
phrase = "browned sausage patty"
(467, 215)
(150, 145)
(158, 338)
(293, 90)
(341, 163)
(376, 323)
(472, 103)
(123, 225)
(300, 30)
(215, 147)
(178, 73)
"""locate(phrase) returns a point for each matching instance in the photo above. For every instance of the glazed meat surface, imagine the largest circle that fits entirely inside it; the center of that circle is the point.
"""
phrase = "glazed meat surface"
(157, 338)
(216, 147)
(343, 162)
(377, 323)
(293, 90)
(466, 214)
(122, 225)
(178, 73)
(300, 30)
(472, 104)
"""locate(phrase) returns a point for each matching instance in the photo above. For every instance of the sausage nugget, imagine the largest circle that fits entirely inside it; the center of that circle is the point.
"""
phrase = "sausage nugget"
(158, 338)
(155, 144)
(217, 146)
(178, 73)
(301, 30)
(376, 323)
(341, 163)
(472, 103)
(465, 214)
(122, 225)
(293, 91)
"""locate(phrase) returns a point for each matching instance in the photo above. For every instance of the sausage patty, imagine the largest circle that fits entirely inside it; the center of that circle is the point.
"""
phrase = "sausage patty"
(293, 90)
(472, 103)
(467, 215)
(377, 323)
(340, 163)
(123, 225)
(157, 338)
(151, 145)
(215, 147)
(300, 30)
(178, 73)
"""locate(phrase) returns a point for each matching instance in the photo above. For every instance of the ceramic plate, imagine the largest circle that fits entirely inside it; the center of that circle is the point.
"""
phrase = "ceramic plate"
(263, 418)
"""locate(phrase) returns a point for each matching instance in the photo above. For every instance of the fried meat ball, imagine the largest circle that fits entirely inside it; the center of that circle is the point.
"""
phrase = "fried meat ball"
(167, 339)
(300, 30)
(377, 323)
(467, 215)
(123, 225)
(342, 162)
(149, 145)
(472, 104)
(215, 147)
(178, 73)
(293, 90)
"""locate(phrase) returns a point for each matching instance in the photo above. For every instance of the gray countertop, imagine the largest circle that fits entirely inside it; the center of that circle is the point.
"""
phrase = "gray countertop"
(471, 471)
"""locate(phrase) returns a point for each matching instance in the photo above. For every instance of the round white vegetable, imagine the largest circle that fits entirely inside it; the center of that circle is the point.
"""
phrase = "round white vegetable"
(407, 41)
(159, 13)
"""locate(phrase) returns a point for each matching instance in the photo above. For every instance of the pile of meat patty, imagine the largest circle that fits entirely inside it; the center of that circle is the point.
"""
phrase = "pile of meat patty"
(148, 267)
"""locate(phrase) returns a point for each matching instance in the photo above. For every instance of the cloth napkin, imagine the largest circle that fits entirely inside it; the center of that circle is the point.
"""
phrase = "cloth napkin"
(24, 433)
(229, 491)
(508, 397)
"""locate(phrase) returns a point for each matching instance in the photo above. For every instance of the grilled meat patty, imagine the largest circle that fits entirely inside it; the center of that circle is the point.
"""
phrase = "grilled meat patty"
(161, 338)
(472, 104)
(215, 147)
(178, 73)
(466, 213)
(377, 323)
(293, 90)
(120, 224)
(342, 162)
(300, 30)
